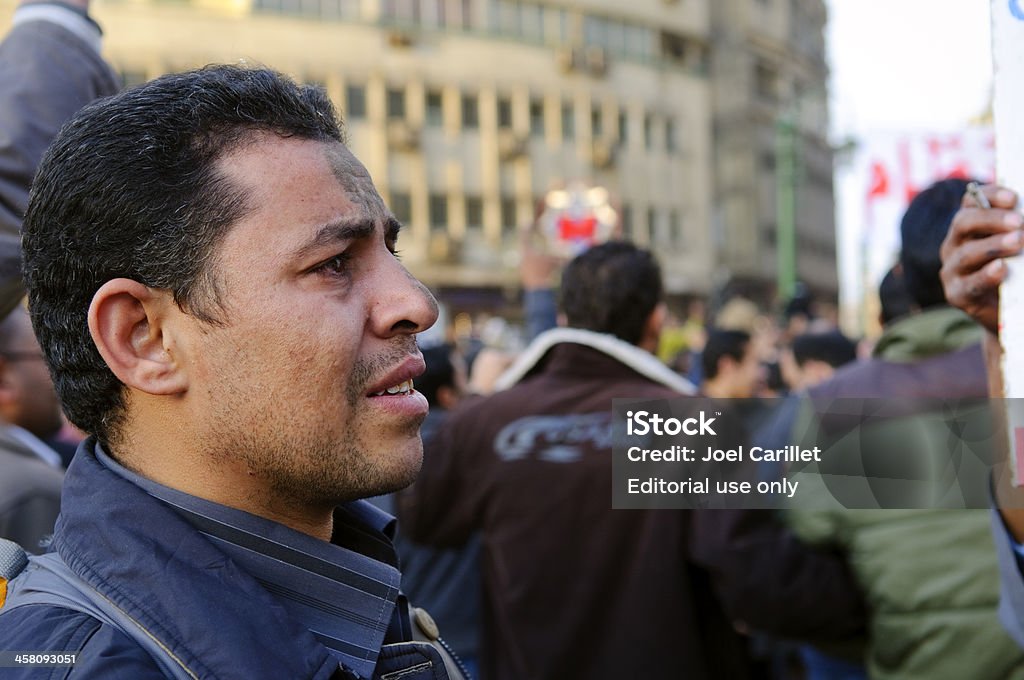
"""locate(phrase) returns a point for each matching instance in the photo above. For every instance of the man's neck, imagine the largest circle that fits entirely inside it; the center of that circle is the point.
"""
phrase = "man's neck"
(226, 483)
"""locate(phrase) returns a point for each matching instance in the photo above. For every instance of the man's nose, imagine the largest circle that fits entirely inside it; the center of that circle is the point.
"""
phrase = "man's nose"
(405, 305)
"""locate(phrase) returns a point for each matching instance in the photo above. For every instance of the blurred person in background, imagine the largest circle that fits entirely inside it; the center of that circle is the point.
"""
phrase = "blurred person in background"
(730, 365)
(28, 402)
(930, 575)
(811, 359)
(814, 357)
(32, 475)
(972, 271)
(893, 299)
(50, 66)
(574, 589)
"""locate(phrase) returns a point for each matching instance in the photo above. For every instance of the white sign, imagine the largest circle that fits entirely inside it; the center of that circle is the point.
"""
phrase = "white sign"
(1008, 108)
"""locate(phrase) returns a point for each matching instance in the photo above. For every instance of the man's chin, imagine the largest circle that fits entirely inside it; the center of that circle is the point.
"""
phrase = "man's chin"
(407, 461)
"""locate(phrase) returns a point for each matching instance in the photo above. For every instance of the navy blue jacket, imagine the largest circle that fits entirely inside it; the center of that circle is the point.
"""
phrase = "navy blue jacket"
(147, 559)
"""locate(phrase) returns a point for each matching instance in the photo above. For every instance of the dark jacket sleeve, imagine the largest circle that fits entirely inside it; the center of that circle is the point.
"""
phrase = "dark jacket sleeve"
(771, 581)
(47, 73)
(101, 651)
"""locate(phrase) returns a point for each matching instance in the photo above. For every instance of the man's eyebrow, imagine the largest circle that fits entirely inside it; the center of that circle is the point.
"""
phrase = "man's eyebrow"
(336, 232)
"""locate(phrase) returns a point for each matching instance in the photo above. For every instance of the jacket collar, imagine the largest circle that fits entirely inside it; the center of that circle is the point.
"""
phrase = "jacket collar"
(143, 556)
(644, 363)
(934, 331)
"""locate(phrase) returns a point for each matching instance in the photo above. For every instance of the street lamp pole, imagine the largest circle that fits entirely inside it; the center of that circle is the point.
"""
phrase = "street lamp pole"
(785, 203)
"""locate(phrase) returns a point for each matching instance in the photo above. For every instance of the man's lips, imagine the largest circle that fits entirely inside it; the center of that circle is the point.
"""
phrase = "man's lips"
(398, 380)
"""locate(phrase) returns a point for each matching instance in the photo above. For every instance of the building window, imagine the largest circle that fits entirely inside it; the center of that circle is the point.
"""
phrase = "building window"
(470, 112)
(401, 11)
(652, 226)
(355, 100)
(434, 108)
(438, 205)
(339, 9)
(596, 122)
(504, 112)
(648, 132)
(616, 37)
(639, 42)
(568, 121)
(474, 212)
(508, 214)
(675, 229)
(531, 22)
(537, 117)
(462, 16)
(673, 47)
(401, 206)
(395, 103)
(561, 36)
(766, 81)
(623, 127)
(594, 31)
(627, 222)
(670, 136)
(504, 17)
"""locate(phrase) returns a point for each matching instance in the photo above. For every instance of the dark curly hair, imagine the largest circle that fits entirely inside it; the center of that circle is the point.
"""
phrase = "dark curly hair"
(611, 288)
(131, 188)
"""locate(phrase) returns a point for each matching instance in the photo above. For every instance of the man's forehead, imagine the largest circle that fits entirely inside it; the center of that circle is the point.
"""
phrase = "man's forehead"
(351, 175)
(355, 180)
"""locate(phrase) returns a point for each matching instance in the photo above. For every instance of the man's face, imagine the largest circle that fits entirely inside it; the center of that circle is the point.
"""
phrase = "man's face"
(292, 389)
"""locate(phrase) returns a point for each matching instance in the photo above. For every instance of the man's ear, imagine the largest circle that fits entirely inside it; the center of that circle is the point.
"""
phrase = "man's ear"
(127, 321)
(652, 328)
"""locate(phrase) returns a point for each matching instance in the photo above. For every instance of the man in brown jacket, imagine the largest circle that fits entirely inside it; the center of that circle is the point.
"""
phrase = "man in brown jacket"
(572, 588)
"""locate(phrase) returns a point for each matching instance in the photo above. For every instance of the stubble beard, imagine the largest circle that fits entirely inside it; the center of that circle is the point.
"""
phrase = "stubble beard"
(307, 462)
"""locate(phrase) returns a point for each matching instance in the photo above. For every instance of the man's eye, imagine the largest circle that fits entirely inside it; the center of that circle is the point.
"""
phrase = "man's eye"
(337, 265)
(392, 245)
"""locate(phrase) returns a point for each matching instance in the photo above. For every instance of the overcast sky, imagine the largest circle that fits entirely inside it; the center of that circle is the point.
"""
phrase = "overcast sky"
(908, 64)
(897, 66)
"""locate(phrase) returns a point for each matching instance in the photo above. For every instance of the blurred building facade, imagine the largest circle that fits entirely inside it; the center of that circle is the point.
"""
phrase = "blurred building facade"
(466, 112)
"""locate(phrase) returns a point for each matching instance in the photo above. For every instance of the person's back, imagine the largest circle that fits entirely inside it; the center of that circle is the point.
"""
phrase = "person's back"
(929, 575)
(573, 589)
